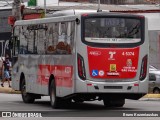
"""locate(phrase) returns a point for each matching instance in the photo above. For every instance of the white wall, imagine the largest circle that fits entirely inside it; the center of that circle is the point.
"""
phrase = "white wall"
(48, 2)
(153, 20)
(154, 48)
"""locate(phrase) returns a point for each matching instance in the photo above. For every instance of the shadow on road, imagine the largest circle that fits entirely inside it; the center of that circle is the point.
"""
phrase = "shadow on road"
(84, 106)
(86, 109)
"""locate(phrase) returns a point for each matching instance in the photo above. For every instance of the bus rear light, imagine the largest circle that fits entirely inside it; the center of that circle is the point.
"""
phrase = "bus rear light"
(81, 67)
(143, 71)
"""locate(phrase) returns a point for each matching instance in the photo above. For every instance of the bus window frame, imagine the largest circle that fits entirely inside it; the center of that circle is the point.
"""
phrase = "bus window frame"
(15, 46)
(119, 45)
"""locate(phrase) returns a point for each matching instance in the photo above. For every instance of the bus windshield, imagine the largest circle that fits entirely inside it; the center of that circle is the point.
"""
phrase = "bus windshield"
(112, 30)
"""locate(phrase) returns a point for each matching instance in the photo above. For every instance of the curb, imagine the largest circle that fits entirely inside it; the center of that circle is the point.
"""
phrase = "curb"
(150, 99)
(152, 96)
(9, 91)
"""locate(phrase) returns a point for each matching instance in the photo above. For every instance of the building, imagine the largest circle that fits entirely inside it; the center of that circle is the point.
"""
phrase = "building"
(122, 1)
(116, 1)
(5, 28)
(5, 32)
(75, 0)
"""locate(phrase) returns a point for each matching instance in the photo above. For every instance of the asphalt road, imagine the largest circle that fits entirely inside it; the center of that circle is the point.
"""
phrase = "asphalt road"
(87, 110)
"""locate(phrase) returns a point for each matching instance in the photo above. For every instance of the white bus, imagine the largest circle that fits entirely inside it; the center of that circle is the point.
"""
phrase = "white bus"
(81, 57)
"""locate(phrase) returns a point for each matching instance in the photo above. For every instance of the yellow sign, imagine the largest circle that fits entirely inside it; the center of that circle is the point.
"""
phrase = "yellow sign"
(112, 67)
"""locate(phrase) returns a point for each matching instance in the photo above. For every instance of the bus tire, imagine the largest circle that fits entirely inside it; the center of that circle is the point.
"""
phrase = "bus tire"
(26, 97)
(54, 100)
(78, 100)
(119, 103)
(114, 103)
(107, 103)
(156, 91)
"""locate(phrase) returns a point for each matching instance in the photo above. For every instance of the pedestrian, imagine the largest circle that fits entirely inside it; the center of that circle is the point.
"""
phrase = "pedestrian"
(6, 65)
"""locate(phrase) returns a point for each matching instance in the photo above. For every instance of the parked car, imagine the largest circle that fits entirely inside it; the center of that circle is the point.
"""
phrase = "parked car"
(154, 80)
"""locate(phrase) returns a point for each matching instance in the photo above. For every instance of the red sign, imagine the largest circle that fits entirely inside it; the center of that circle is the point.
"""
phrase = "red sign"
(11, 20)
(32, 16)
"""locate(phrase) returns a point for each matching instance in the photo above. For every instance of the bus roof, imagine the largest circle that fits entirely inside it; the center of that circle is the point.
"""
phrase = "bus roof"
(72, 17)
(71, 12)
(45, 20)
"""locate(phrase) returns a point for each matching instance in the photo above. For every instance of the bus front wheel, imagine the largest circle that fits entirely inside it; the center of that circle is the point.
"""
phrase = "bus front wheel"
(27, 97)
(55, 101)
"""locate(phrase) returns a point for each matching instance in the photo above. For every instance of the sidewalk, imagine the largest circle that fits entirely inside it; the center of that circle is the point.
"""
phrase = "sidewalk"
(7, 89)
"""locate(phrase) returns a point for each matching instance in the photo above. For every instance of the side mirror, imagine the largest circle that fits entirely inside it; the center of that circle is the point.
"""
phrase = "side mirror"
(77, 21)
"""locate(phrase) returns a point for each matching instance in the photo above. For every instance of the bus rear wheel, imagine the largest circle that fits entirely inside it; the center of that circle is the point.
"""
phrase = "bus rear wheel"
(27, 97)
(54, 100)
(78, 100)
(114, 103)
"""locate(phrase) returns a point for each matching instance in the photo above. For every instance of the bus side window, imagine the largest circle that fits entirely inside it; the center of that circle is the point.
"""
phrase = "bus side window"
(16, 43)
(23, 38)
(33, 39)
(52, 38)
(62, 34)
(41, 40)
(65, 38)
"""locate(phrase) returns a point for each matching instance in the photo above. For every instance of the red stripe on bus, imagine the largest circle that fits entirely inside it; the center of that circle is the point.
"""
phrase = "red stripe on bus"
(63, 75)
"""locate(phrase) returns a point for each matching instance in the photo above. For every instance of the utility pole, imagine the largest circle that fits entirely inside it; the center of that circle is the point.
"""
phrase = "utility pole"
(16, 9)
(99, 7)
(45, 7)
